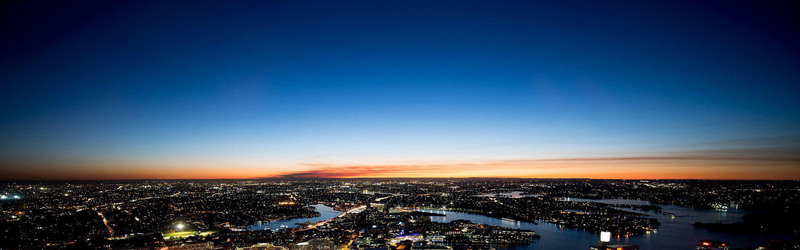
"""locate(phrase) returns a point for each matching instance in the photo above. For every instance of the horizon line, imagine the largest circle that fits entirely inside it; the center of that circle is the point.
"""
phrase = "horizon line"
(381, 178)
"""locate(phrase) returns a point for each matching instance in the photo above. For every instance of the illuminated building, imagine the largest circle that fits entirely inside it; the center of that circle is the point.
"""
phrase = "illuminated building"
(712, 245)
(605, 238)
(264, 246)
(196, 246)
(614, 247)
(286, 203)
(316, 244)
(412, 237)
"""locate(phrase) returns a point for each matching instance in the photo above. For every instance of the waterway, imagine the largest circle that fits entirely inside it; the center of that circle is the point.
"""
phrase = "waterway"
(673, 233)
(326, 213)
(515, 194)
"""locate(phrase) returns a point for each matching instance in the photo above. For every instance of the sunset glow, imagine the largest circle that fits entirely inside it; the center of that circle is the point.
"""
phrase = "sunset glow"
(151, 90)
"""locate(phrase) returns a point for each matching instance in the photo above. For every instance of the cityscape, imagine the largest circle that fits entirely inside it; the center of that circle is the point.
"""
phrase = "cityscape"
(400, 125)
(393, 213)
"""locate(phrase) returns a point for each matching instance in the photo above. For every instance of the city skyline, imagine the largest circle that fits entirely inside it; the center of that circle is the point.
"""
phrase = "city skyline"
(611, 90)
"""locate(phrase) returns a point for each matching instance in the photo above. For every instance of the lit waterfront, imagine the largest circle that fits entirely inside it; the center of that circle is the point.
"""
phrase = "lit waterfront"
(673, 233)
(326, 213)
(374, 213)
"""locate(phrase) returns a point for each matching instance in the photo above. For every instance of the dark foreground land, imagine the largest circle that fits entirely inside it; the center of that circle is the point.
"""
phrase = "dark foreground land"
(379, 212)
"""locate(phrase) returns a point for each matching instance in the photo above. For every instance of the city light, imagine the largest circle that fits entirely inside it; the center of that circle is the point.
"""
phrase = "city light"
(605, 236)
(603, 125)
(286, 203)
(343, 213)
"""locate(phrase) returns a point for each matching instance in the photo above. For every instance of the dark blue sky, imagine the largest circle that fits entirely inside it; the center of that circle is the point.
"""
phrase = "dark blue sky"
(267, 87)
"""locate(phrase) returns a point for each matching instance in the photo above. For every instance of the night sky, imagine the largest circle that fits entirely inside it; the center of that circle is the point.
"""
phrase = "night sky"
(547, 89)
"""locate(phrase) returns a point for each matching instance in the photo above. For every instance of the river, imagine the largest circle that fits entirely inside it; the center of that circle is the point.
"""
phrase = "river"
(673, 233)
(515, 194)
(326, 213)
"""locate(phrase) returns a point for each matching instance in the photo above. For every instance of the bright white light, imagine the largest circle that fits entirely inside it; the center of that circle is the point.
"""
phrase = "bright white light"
(16, 196)
(605, 236)
(179, 226)
(3, 197)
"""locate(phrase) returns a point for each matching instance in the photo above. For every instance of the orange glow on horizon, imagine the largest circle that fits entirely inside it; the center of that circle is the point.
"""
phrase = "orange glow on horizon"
(594, 168)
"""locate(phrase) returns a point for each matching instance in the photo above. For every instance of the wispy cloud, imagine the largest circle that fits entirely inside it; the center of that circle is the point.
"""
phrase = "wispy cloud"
(785, 160)
(740, 163)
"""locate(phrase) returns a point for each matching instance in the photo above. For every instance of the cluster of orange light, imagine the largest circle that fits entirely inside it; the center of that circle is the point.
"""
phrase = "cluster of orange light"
(286, 203)
(708, 244)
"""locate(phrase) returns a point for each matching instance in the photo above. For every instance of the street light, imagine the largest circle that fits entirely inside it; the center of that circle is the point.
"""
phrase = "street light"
(180, 226)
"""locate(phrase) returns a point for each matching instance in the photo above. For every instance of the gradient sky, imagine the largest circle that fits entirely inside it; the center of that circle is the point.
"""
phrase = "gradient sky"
(243, 89)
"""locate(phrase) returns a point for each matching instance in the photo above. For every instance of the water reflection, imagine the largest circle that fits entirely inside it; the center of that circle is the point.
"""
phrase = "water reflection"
(515, 194)
(326, 213)
(675, 232)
